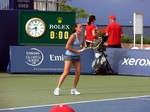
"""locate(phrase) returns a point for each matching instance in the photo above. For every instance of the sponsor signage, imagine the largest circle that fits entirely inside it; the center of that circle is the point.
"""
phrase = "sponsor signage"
(44, 59)
(23, 4)
(129, 61)
(45, 27)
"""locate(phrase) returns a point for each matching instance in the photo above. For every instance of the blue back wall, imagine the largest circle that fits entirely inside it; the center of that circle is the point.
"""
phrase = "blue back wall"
(8, 35)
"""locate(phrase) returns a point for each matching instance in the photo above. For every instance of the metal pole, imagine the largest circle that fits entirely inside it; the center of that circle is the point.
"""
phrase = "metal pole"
(141, 41)
(134, 40)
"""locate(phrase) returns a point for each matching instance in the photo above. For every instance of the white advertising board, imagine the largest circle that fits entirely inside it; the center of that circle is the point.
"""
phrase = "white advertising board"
(138, 23)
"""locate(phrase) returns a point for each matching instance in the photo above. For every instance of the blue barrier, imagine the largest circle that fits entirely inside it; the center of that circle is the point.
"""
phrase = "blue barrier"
(6, 39)
(44, 59)
(129, 61)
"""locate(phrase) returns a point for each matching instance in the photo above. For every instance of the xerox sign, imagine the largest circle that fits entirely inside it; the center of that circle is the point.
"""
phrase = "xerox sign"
(136, 62)
(129, 61)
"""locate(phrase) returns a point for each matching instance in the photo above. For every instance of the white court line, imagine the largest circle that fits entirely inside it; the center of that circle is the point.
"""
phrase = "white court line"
(142, 98)
(134, 97)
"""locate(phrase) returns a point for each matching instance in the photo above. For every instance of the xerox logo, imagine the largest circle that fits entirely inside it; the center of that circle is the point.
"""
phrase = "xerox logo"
(34, 57)
(136, 62)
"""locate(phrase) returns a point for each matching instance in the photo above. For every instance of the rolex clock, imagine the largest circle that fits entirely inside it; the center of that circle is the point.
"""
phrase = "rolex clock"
(45, 27)
(35, 27)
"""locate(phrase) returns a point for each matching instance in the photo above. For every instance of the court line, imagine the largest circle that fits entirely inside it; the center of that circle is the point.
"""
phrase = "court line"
(141, 98)
(134, 97)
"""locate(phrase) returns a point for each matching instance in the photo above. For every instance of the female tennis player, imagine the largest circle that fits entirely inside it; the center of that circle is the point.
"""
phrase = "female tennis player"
(72, 57)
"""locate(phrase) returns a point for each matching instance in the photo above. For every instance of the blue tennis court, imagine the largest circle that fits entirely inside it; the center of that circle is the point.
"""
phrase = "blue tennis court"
(126, 104)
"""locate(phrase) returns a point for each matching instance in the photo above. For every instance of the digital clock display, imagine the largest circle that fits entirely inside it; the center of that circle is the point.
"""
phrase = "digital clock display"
(59, 35)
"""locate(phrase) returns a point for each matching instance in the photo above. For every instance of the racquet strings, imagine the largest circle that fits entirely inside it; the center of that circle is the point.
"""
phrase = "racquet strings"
(96, 43)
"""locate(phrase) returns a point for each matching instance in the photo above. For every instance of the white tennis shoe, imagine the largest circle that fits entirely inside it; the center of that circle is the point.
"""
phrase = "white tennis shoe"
(57, 92)
(74, 92)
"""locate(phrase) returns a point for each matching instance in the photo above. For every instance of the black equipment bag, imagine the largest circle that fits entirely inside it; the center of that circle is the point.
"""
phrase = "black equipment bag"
(101, 65)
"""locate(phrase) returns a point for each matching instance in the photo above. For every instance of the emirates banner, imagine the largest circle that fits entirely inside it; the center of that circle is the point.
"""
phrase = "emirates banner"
(44, 59)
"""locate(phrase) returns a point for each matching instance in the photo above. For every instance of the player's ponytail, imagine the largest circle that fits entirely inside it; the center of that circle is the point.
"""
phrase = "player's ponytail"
(91, 19)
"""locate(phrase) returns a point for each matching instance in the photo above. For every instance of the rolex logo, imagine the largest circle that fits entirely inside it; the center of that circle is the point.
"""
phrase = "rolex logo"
(59, 19)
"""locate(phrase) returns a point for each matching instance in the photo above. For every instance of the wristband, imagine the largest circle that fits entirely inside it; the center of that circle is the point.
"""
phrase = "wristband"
(81, 50)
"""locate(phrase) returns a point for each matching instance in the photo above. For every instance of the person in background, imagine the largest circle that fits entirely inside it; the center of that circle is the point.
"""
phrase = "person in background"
(72, 57)
(90, 30)
(114, 33)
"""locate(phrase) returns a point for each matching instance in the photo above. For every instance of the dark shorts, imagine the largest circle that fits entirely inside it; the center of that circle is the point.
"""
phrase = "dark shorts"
(88, 43)
(72, 58)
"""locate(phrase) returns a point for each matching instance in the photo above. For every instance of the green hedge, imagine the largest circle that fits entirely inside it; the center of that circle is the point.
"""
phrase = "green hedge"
(126, 39)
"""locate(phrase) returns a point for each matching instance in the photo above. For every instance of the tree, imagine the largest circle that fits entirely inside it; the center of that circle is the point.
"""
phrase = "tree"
(80, 13)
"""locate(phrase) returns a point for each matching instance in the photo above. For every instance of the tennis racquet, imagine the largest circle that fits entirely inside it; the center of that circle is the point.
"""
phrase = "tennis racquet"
(95, 44)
